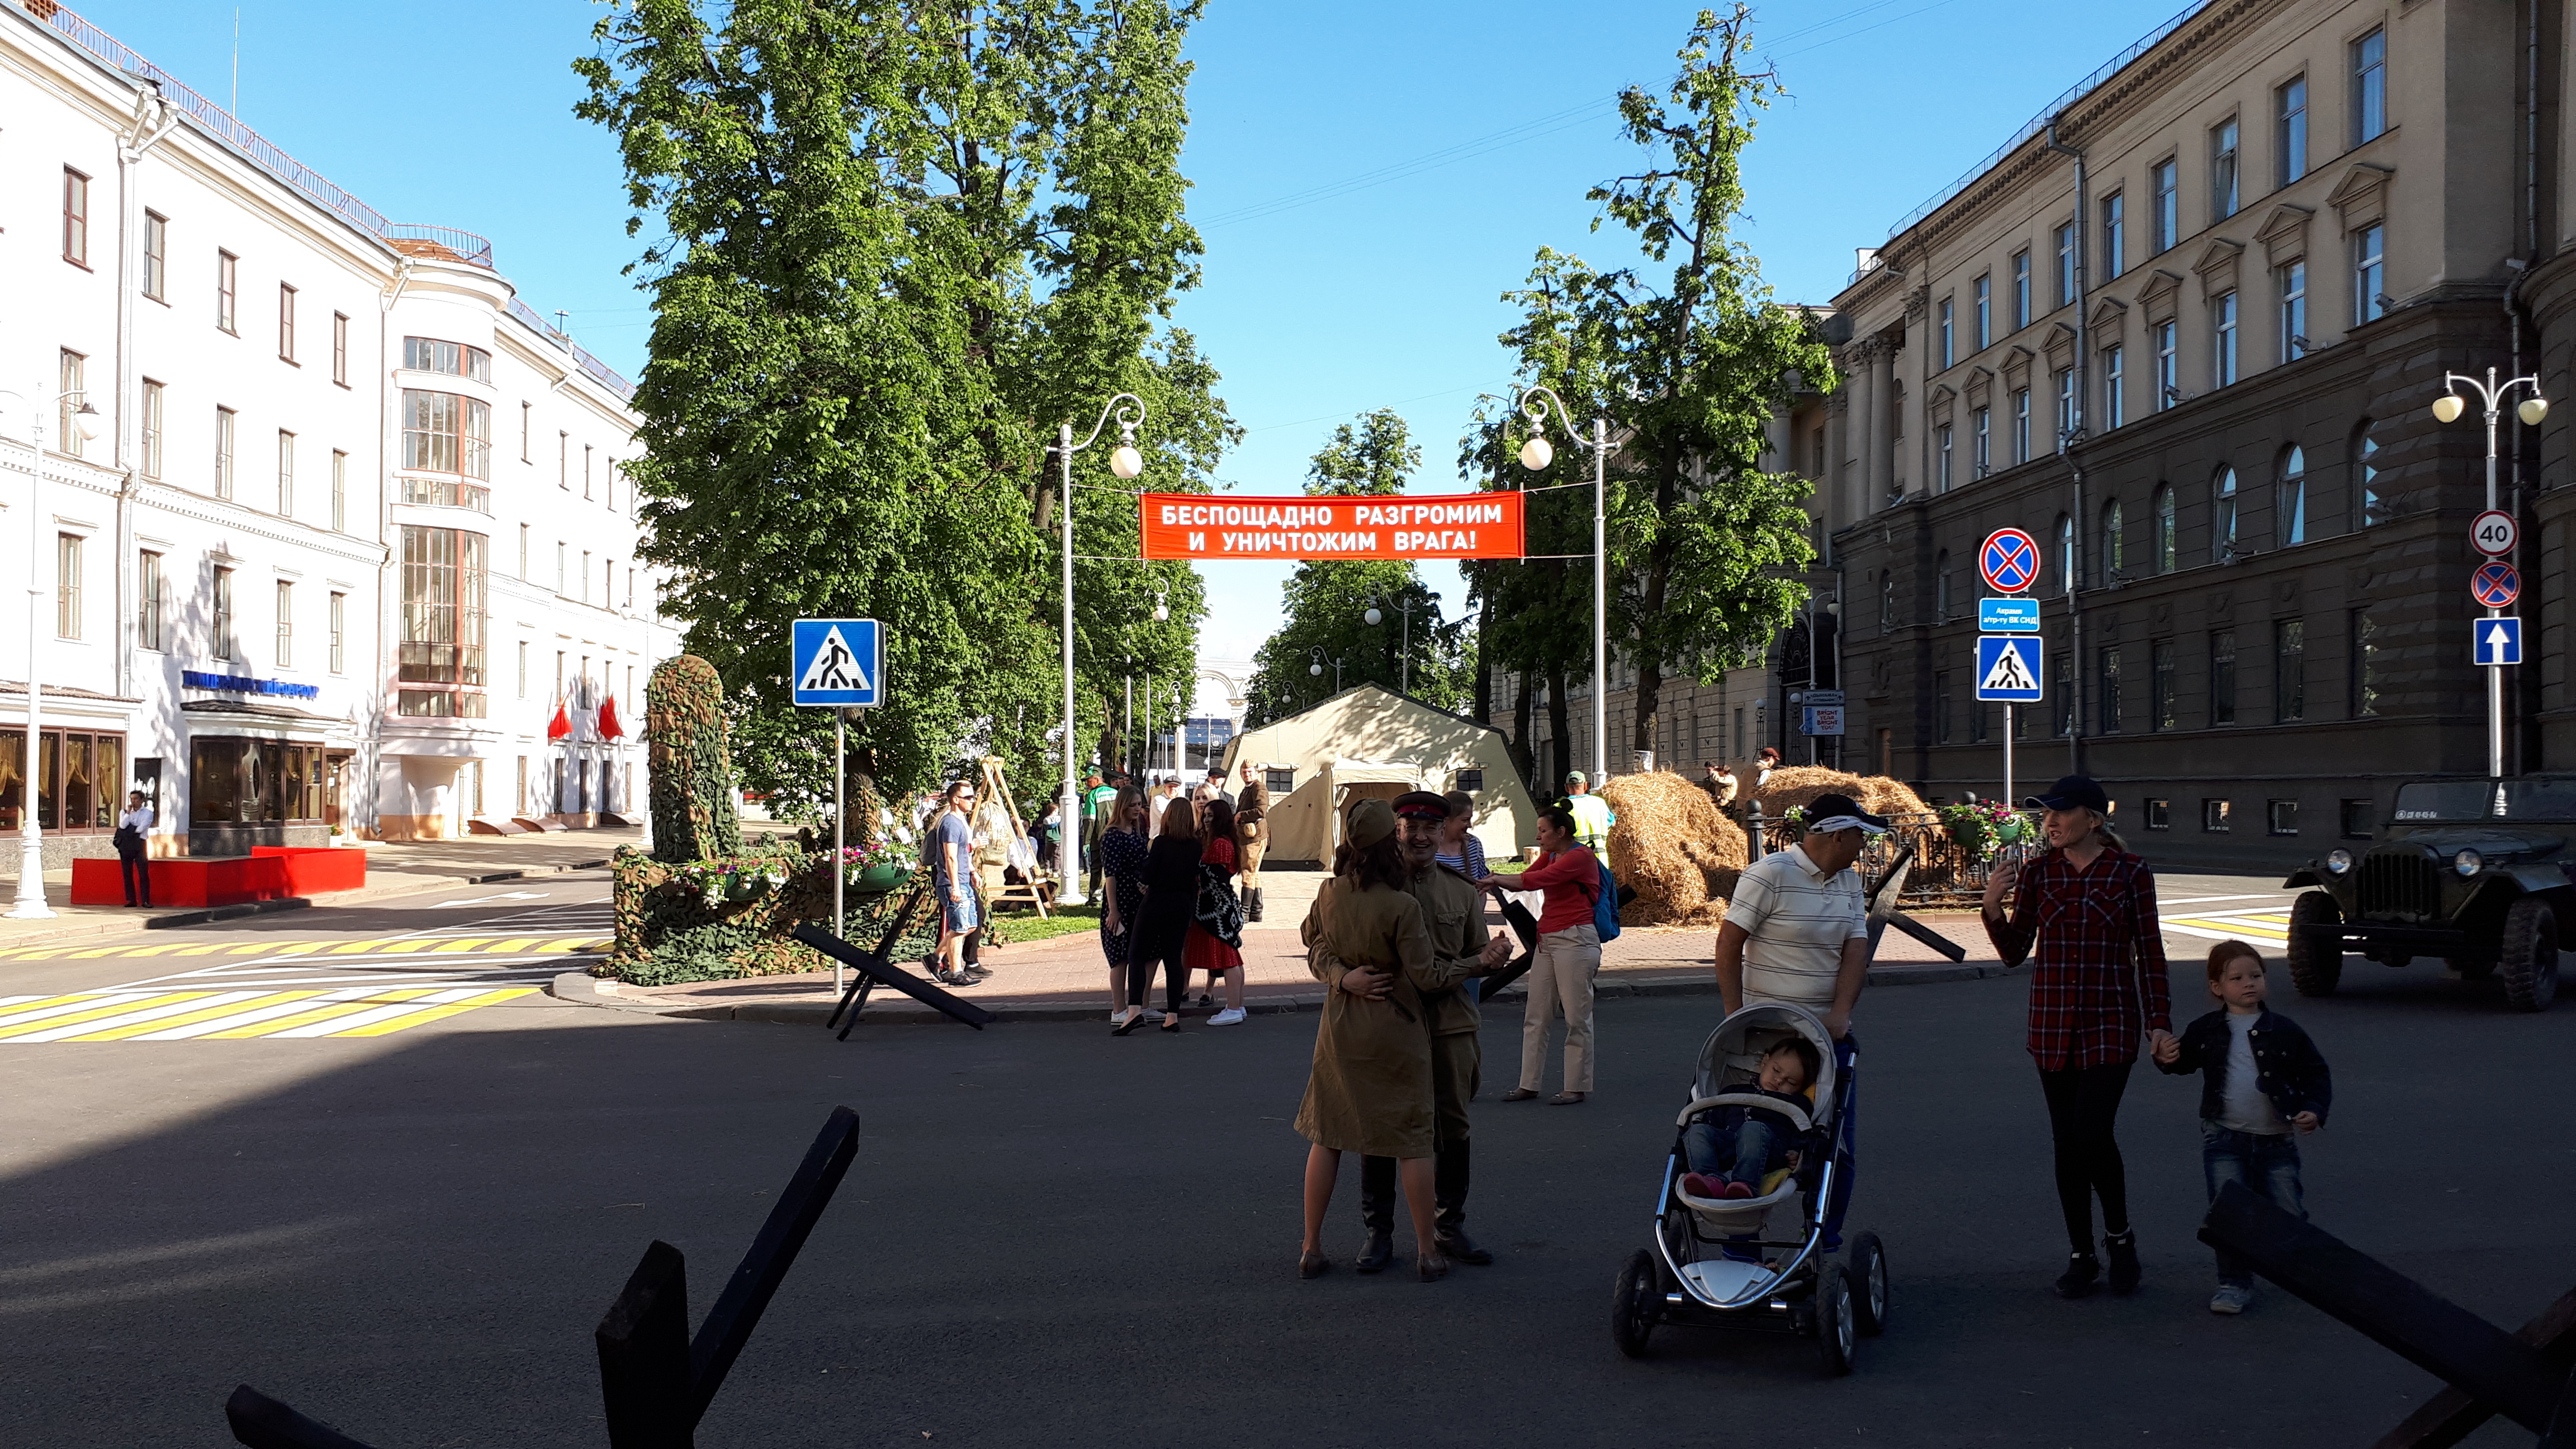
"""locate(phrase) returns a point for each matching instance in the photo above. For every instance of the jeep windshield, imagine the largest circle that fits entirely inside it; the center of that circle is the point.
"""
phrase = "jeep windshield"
(2486, 800)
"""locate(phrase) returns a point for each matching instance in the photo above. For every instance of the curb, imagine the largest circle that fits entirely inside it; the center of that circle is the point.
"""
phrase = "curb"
(582, 989)
(393, 886)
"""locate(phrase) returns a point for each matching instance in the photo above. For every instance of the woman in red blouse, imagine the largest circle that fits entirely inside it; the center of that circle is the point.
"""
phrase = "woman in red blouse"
(2084, 914)
(1566, 958)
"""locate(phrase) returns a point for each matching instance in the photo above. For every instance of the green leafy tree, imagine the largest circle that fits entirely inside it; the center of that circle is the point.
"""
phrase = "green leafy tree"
(1326, 601)
(1704, 543)
(895, 246)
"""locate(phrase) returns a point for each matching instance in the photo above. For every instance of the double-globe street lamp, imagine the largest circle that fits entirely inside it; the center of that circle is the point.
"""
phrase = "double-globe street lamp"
(1404, 604)
(1316, 666)
(2447, 409)
(83, 420)
(1536, 454)
(1127, 463)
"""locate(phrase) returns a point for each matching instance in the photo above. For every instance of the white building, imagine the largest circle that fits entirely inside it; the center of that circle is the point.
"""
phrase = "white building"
(351, 534)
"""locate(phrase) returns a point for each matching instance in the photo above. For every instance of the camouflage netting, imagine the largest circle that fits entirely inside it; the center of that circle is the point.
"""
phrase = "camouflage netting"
(1794, 787)
(1673, 848)
(694, 817)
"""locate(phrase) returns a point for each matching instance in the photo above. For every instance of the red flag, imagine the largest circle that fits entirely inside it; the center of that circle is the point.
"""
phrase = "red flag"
(561, 726)
(609, 728)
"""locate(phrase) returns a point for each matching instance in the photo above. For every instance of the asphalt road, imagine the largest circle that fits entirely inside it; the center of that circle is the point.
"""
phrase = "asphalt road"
(1053, 1237)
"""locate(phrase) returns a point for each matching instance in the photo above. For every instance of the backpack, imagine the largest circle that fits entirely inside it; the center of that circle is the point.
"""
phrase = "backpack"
(1605, 905)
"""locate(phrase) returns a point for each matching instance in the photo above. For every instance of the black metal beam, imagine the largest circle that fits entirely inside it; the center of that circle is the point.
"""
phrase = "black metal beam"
(2451, 1416)
(644, 1356)
(886, 973)
(746, 1295)
(263, 1423)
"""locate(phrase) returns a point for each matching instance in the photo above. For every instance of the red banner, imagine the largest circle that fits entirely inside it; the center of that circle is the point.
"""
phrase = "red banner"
(1454, 525)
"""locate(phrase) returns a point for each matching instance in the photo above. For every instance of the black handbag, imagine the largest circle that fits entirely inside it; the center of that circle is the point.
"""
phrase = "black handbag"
(1218, 910)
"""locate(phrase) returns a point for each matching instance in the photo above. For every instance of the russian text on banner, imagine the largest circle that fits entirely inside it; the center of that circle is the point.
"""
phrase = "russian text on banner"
(1215, 526)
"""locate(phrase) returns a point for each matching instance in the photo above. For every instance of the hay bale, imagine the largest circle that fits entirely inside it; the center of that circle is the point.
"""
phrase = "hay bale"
(1673, 848)
(1795, 787)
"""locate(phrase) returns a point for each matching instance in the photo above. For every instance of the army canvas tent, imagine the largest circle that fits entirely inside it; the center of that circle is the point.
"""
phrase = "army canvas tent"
(1371, 741)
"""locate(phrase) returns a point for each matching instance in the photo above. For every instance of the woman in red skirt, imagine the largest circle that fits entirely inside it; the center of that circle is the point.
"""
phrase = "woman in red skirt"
(1221, 957)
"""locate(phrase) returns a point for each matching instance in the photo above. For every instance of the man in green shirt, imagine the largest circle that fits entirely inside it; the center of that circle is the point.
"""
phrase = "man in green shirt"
(1096, 800)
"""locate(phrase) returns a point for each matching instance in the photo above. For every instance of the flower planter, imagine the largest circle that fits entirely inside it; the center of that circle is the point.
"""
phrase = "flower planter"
(883, 877)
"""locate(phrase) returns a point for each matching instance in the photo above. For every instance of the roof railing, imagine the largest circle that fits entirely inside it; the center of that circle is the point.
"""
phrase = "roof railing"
(464, 245)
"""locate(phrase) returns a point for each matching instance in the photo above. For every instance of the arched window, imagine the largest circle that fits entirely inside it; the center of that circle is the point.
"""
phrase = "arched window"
(2222, 517)
(2290, 500)
(2065, 554)
(1887, 601)
(2166, 559)
(2115, 557)
(1941, 587)
(2365, 468)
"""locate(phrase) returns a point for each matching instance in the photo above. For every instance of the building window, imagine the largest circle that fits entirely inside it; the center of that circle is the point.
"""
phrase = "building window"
(2114, 407)
(2159, 813)
(1941, 587)
(563, 553)
(2115, 553)
(2110, 721)
(2222, 323)
(2066, 265)
(2222, 517)
(2369, 274)
(1981, 443)
(523, 669)
(2168, 217)
(428, 354)
(2065, 554)
(2365, 468)
(2223, 194)
(443, 620)
(227, 290)
(1985, 318)
(1949, 339)
(152, 426)
(67, 585)
(285, 474)
(2115, 230)
(149, 600)
(585, 470)
(71, 390)
(156, 256)
(2062, 692)
(235, 781)
(224, 418)
(77, 774)
(285, 624)
(2160, 685)
(2021, 289)
(222, 644)
(445, 433)
(1887, 601)
(1942, 707)
(2213, 816)
(1941, 459)
(2365, 665)
(523, 553)
(2289, 671)
(2065, 408)
(2167, 556)
(339, 491)
(339, 624)
(2356, 819)
(2290, 500)
(563, 460)
(2280, 817)
(525, 412)
(340, 348)
(585, 576)
(2292, 280)
(2291, 110)
(75, 218)
(447, 493)
(2222, 677)
(2168, 367)
(2369, 86)
(2021, 425)
(285, 323)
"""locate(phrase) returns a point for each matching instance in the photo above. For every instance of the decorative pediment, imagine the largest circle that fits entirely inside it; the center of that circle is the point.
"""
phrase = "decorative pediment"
(2060, 346)
(1980, 385)
(2017, 360)
(2110, 318)
(2157, 296)
(2285, 234)
(2362, 195)
(1938, 403)
(2216, 266)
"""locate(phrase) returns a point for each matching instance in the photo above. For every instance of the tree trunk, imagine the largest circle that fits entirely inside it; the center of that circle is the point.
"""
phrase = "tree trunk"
(1517, 743)
(1480, 705)
(1563, 743)
(1650, 692)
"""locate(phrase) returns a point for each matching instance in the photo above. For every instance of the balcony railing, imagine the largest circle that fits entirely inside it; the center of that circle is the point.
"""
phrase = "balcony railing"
(419, 238)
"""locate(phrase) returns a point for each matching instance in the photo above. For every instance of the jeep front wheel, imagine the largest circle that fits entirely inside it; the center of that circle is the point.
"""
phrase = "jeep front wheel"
(2315, 969)
(2528, 960)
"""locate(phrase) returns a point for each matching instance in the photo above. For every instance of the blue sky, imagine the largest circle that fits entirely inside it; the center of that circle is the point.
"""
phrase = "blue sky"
(1369, 176)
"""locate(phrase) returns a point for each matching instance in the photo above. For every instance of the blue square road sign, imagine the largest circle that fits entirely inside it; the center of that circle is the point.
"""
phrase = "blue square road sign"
(838, 661)
(2008, 616)
(2497, 641)
(2008, 668)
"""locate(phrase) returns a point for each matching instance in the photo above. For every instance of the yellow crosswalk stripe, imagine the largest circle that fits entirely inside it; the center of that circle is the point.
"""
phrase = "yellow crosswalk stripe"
(203, 1013)
(21, 1024)
(467, 943)
(323, 1012)
(433, 1013)
(515, 943)
(198, 950)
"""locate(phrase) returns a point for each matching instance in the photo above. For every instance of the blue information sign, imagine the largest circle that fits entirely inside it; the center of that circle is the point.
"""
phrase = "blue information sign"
(2007, 616)
(838, 661)
(2498, 641)
(2008, 668)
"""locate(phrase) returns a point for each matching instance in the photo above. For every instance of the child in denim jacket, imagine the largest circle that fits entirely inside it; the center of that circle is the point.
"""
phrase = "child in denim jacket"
(1730, 1154)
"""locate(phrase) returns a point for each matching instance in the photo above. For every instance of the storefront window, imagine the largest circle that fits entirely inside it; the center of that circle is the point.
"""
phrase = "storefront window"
(83, 778)
(251, 782)
(443, 623)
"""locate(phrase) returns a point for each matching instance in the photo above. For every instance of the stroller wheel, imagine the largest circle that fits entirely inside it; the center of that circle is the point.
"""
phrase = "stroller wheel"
(1867, 1270)
(1837, 1335)
(1635, 1304)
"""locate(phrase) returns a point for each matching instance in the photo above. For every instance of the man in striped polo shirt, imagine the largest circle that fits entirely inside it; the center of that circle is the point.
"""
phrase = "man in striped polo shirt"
(1797, 932)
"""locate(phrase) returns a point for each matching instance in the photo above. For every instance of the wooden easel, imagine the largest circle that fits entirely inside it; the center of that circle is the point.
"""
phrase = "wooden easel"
(1037, 893)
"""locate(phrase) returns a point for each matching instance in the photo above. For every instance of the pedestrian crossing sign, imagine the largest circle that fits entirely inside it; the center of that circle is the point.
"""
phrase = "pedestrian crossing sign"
(838, 661)
(2008, 668)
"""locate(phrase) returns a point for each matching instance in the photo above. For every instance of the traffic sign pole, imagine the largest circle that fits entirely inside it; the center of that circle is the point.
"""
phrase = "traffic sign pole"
(2008, 729)
(840, 839)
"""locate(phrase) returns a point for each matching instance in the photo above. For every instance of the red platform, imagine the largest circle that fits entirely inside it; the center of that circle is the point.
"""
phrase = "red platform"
(268, 873)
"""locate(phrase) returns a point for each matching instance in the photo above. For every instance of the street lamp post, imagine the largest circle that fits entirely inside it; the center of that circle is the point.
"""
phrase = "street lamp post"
(1403, 604)
(2447, 408)
(31, 905)
(1125, 462)
(1316, 667)
(1537, 454)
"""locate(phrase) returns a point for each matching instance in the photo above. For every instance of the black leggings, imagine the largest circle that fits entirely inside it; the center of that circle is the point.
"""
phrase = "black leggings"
(1158, 941)
(2083, 1106)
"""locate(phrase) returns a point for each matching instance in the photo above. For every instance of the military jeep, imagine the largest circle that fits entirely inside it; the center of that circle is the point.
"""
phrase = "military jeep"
(2474, 871)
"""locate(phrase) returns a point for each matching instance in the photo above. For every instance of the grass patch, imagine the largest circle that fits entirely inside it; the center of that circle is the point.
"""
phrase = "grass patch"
(1024, 924)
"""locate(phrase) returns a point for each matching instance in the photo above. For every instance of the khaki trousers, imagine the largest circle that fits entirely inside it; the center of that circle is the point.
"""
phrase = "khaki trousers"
(1560, 977)
(1251, 853)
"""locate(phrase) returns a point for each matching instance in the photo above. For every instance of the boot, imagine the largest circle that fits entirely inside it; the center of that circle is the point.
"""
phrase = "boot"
(2122, 1249)
(1252, 903)
(1377, 1214)
(1449, 1177)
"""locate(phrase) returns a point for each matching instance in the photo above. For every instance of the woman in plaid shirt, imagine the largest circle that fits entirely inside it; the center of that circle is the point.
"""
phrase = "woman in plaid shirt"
(2085, 913)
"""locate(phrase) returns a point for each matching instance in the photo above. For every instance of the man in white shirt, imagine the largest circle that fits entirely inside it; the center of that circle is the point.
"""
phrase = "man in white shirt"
(132, 851)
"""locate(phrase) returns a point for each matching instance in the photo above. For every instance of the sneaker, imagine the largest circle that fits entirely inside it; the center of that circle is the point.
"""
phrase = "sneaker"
(2231, 1298)
(2077, 1281)
(2123, 1253)
(1737, 1190)
(1231, 1016)
(1703, 1187)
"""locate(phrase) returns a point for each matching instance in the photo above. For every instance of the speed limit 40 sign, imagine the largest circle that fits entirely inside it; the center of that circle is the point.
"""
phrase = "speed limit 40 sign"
(2494, 532)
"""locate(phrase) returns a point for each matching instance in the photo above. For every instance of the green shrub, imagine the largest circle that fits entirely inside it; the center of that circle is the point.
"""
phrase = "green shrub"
(691, 770)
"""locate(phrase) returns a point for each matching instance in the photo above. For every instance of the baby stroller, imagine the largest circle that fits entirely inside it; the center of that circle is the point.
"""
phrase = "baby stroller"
(1757, 1262)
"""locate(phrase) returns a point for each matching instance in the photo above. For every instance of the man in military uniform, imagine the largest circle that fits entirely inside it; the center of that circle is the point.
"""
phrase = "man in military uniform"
(1460, 948)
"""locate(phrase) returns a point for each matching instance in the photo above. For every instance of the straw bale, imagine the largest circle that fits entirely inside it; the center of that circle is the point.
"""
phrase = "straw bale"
(1673, 848)
(1797, 786)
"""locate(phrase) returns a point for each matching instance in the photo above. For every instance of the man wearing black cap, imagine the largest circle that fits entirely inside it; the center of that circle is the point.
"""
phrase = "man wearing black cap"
(1460, 948)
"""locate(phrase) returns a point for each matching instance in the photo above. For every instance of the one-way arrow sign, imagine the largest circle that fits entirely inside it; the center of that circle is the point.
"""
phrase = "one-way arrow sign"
(2498, 641)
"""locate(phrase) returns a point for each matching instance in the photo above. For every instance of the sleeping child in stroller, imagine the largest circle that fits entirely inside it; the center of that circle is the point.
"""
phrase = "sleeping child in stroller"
(1733, 1149)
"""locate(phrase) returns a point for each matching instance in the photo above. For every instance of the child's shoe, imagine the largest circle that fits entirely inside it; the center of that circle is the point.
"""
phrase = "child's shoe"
(2123, 1251)
(1738, 1190)
(2077, 1280)
(1702, 1187)
(2231, 1298)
